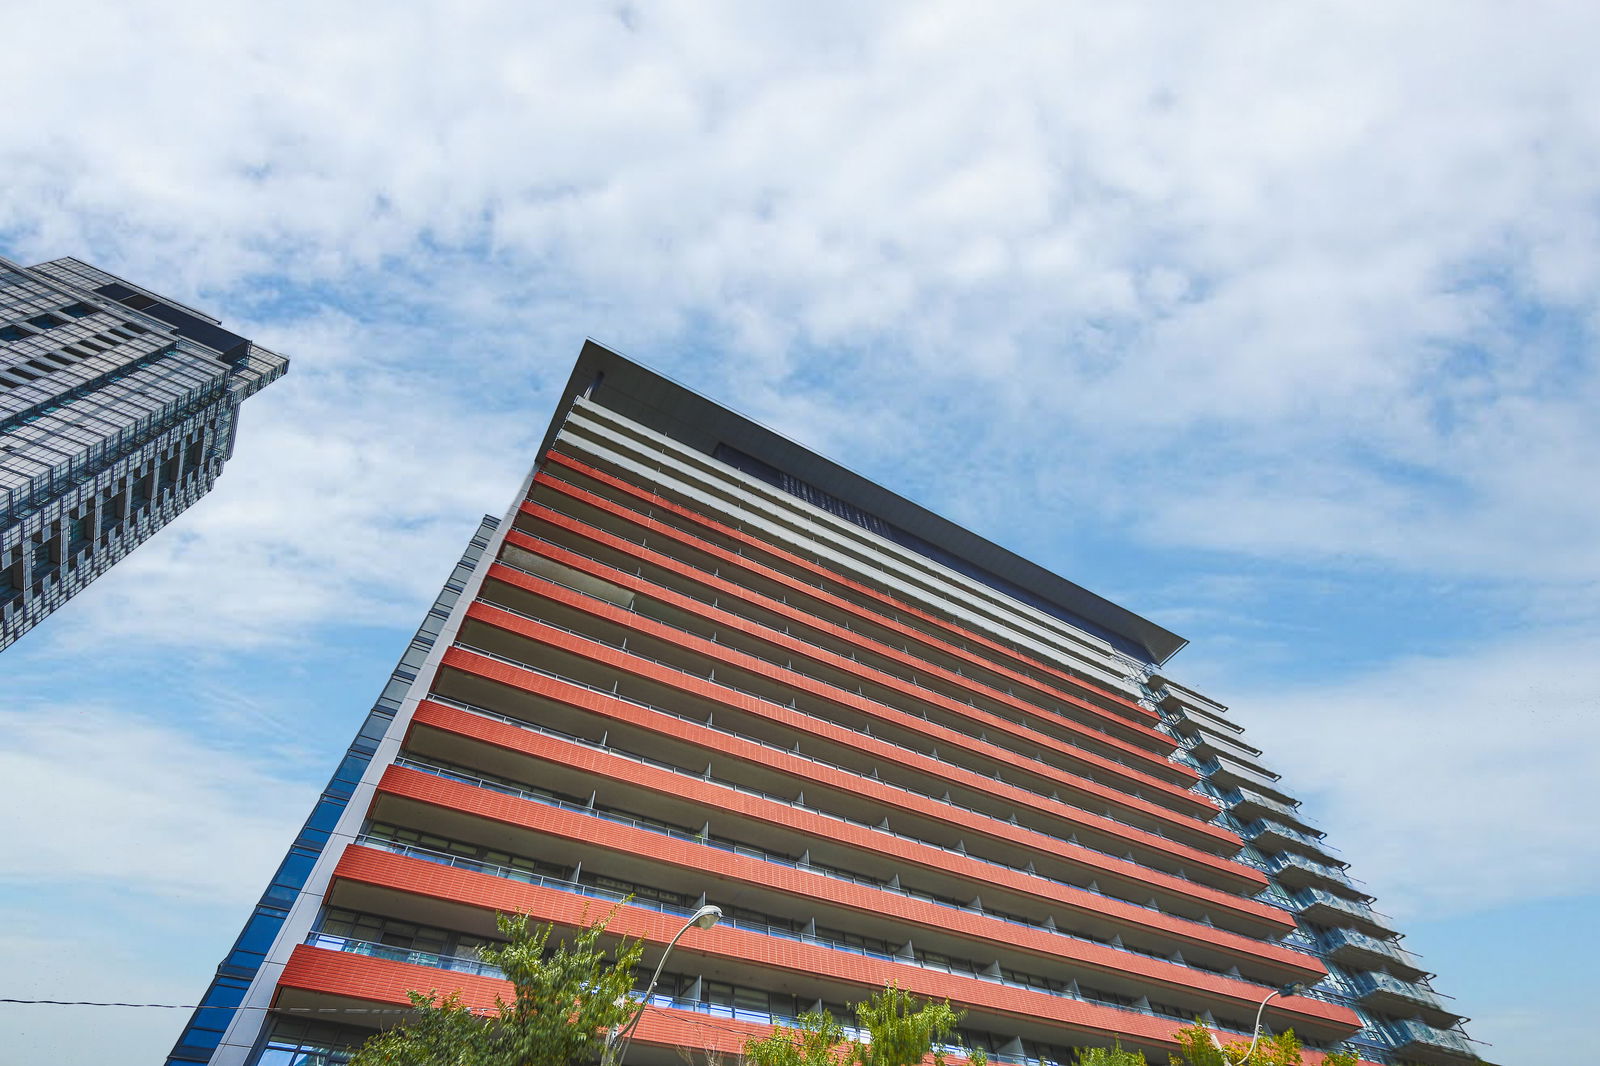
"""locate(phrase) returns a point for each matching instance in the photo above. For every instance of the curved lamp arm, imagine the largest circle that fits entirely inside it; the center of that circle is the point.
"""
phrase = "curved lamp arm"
(619, 1039)
(1293, 989)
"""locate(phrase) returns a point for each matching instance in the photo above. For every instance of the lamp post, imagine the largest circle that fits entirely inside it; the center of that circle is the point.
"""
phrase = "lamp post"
(1293, 988)
(617, 1040)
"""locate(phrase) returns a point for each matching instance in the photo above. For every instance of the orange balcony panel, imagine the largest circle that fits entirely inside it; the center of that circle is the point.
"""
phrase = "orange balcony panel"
(938, 733)
(324, 972)
(321, 972)
(1191, 822)
(802, 771)
(712, 796)
(1252, 881)
(419, 877)
(1136, 776)
(1151, 760)
(612, 836)
(1192, 803)
(1141, 715)
(652, 500)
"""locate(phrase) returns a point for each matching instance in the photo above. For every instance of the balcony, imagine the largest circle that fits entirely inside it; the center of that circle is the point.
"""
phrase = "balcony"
(1422, 1041)
(1269, 835)
(1245, 801)
(1363, 951)
(1325, 908)
(1226, 773)
(840, 685)
(1387, 993)
(1279, 955)
(415, 851)
(1135, 883)
(1296, 871)
(458, 963)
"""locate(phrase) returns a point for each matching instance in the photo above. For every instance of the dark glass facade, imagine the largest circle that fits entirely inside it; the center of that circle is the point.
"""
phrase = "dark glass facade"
(118, 409)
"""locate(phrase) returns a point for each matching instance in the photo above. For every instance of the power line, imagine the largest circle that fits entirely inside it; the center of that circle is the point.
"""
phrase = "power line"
(204, 1006)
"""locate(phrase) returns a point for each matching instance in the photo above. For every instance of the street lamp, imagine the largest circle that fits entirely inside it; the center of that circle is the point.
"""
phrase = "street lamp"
(618, 1040)
(1293, 988)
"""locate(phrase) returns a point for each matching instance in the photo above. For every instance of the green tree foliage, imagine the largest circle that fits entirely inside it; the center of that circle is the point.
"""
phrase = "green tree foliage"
(1110, 1056)
(901, 1029)
(1197, 1049)
(566, 998)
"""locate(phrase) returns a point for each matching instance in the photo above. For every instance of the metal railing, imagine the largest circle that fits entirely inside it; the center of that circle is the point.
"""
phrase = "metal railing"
(598, 746)
(456, 963)
(1372, 982)
(646, 825)
(1017, 652)
(1080, 730)
(467, 964)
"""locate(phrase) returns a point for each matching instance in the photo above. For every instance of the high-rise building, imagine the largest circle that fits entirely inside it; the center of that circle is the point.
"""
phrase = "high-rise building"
(118, 408)
(698, 663)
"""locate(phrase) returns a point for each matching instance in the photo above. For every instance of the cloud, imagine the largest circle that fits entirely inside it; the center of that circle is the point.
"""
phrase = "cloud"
(1453, 783)
(101, 798)
(1306, 286)
(353, 489)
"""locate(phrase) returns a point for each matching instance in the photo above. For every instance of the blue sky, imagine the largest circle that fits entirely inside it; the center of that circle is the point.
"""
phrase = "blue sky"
(1276, 323)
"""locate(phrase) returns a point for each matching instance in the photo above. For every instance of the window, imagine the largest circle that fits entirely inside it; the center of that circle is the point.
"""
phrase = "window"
(14, 333)
(47, 321)
(79, 310)
(43, 554)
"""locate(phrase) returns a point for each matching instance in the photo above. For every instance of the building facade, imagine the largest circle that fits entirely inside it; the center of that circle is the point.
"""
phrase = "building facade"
(697, 663)
(118, 409)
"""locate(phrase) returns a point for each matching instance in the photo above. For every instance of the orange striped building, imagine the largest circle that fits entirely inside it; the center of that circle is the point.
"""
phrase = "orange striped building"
(697, 663)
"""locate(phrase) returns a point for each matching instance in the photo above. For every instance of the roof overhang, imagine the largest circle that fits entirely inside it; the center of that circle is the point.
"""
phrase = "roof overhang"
(663, 405)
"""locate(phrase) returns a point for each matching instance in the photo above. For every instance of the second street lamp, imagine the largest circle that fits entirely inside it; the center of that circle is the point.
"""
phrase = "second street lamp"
(1294, 988)
(617, 1043)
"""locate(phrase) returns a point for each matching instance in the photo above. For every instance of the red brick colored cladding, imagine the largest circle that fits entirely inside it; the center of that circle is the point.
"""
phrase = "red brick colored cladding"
(1175, 795)
(570, 825)
(1224, 840)
(655, 501)
(423, 878)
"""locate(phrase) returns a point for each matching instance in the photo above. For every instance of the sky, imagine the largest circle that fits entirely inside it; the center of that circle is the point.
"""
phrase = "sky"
(1273, 322)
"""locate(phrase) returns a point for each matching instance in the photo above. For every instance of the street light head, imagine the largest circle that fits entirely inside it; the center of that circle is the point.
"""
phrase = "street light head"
(706, 917)
(1293, 988)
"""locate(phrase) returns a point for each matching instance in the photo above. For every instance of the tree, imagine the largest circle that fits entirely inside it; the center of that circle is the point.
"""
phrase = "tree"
(1197, 1049)
(902, 1029)
(1110, 1056)
(565, 1000)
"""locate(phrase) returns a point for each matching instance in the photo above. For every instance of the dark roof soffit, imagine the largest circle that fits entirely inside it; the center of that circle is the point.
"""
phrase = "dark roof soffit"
(639, 393)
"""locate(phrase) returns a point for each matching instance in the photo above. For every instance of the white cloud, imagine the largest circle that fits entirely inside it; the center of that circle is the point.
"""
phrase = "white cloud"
(101, 798)
(1323, 282)
(1453, 783)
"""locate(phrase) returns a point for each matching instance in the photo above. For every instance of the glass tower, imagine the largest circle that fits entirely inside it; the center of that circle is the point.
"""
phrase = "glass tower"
(118, 408)
(696, 662)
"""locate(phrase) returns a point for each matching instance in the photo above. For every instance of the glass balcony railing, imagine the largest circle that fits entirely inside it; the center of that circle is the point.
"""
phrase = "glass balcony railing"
(1412, 1033)
(577, 888)
(981, 656)
(466, 964)
(756, 853)
(1078, 731)
(457, 963)
(1308, 898)
(1244, 796)
(699, 775)
(1286, 860)
(1266, 828)
(1369, 985)
(1348, 941)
